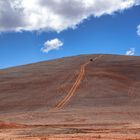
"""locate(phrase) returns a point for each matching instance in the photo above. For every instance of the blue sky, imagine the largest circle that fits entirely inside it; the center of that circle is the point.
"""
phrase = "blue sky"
(108, 34)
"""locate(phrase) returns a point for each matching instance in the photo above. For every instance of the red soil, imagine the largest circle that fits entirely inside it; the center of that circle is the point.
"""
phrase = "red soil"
(72, 98)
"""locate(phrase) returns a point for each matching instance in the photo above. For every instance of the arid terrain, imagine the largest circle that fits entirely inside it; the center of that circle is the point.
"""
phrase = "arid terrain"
(75, 98)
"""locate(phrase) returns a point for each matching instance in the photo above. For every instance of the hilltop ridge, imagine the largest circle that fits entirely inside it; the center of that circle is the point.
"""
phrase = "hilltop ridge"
(73, 93)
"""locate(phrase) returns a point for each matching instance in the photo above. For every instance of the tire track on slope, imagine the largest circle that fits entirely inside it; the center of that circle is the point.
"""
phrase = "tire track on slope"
(72, 91)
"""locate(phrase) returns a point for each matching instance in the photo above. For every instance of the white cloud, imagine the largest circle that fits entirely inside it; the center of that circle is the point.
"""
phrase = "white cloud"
(131, 51)
(56, 15)
(138, 30)
(53, 44)
(137, 2)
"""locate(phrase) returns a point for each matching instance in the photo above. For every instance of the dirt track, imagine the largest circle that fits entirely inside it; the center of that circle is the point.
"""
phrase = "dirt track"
(71, 93)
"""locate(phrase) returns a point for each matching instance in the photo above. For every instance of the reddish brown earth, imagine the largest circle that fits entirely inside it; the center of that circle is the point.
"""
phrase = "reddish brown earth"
(72, 98)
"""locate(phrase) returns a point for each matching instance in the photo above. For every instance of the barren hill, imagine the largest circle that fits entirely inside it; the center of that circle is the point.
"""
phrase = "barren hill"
(86, 94)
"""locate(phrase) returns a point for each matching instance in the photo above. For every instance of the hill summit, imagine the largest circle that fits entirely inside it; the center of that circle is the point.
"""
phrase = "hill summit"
(80, 94)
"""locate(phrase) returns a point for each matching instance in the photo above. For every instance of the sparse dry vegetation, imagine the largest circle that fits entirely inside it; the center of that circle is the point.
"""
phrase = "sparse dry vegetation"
(65, 99)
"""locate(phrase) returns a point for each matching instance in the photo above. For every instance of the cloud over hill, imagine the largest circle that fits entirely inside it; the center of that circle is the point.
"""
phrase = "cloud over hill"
(55, 15)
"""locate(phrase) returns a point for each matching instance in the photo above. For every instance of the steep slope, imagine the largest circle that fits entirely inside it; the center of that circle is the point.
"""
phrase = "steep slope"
(73, 92)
